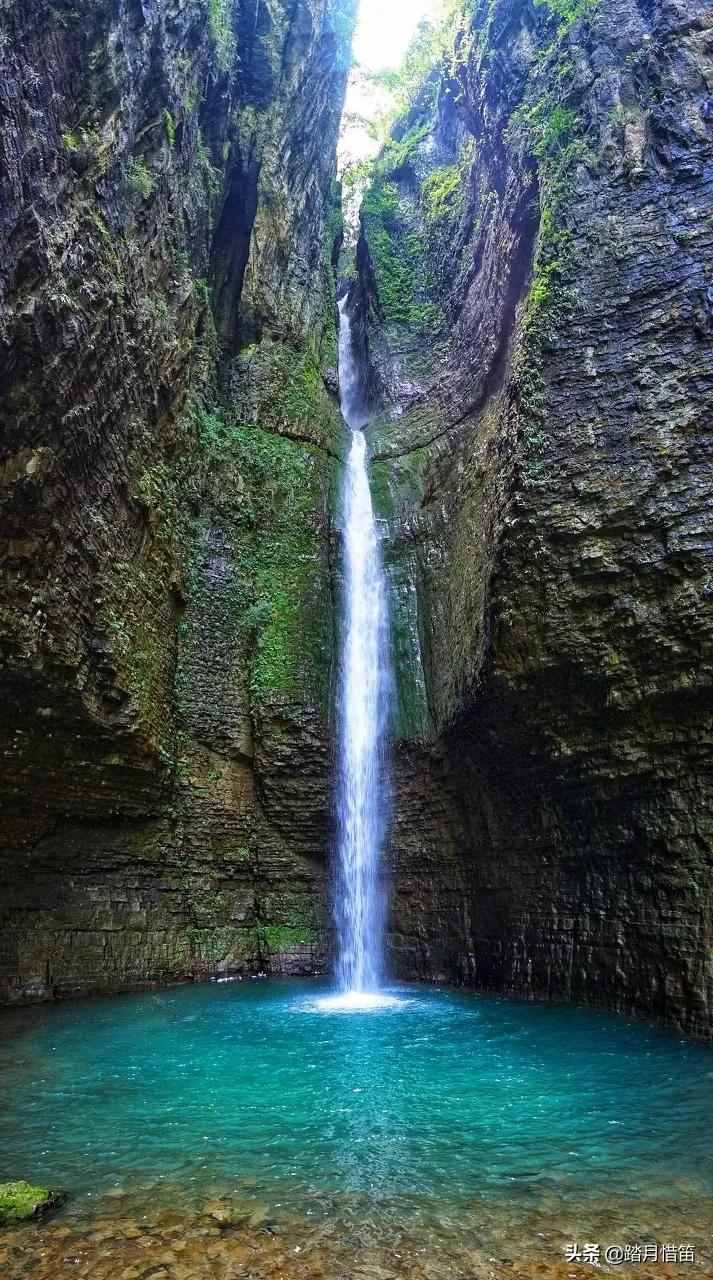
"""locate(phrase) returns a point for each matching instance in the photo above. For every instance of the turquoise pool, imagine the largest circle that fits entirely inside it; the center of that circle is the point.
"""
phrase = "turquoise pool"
(444, 1111)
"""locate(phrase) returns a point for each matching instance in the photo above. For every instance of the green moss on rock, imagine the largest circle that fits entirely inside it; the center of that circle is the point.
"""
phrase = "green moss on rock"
(400, 260)
(443, 193)
(568, 11)
(276, 938)
(20, 1201)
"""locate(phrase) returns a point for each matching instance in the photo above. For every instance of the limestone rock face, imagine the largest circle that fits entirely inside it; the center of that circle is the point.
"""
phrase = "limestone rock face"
(166, 310)
(534, 309)
(543, 461)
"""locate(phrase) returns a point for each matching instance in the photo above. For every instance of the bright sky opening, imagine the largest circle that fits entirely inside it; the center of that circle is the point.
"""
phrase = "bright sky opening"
(384, 29)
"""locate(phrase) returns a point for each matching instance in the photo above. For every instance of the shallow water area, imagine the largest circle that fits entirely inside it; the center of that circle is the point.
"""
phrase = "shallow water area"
(258, 1129)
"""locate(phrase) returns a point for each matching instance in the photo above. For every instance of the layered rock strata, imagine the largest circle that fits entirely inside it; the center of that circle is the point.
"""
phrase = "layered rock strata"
(167, 459)
(543, 461)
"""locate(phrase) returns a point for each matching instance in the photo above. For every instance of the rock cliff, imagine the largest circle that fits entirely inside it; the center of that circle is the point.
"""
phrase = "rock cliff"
(534, 307)
(544, 385)
(166, 310)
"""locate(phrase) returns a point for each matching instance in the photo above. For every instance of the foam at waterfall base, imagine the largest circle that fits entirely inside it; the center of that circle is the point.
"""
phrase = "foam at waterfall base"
(357, 1002)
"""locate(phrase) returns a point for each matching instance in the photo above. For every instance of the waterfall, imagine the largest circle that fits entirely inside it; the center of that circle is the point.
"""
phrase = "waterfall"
(364, 688)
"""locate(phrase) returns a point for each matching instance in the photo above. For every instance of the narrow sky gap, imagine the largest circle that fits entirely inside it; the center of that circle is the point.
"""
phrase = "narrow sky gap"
(383, 34)
(384, 30)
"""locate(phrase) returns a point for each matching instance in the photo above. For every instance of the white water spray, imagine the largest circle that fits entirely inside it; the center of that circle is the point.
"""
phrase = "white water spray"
(365, 683)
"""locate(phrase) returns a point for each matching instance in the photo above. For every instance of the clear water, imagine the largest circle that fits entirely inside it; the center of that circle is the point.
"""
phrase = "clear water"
(419, 1112)
(359, 907)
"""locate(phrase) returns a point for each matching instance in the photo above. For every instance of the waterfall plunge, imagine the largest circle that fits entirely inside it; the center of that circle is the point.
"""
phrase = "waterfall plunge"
(363, 704)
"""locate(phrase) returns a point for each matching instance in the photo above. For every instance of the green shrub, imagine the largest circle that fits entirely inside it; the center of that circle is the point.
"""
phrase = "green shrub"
(169, 127)
(568, 11)
(220, 26)
(140, 178)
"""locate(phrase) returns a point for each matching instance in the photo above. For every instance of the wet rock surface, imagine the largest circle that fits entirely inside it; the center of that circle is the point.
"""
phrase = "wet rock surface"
(165, 310)
(541, 363)
(543, 460)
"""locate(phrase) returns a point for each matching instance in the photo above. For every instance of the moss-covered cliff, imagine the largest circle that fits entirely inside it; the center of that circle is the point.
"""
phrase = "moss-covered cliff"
(535, 311)
(546, 382)
(168, 447)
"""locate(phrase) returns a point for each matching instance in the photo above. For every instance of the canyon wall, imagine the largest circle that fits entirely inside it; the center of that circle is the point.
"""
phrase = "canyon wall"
(542, 457)
(167, 458)
(534, 311)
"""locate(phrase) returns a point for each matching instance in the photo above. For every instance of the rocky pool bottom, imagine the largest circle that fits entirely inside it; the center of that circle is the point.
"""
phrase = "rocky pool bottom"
(250, 1130)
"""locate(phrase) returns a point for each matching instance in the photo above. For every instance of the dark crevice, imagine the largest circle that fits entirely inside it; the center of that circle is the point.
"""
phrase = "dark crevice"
(231, 248)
